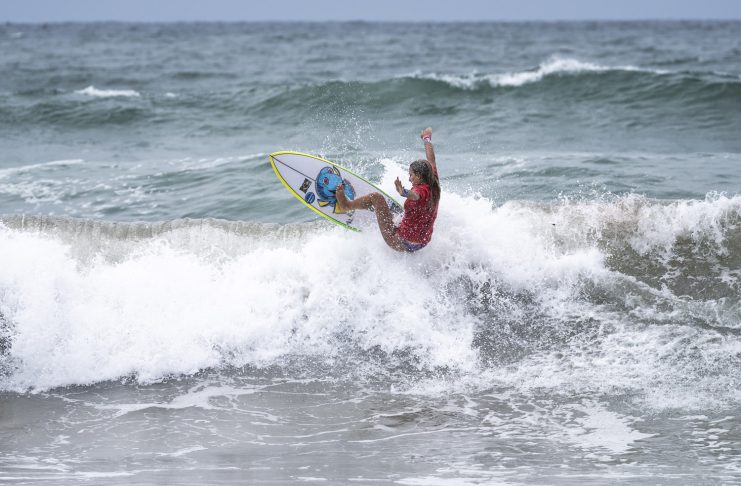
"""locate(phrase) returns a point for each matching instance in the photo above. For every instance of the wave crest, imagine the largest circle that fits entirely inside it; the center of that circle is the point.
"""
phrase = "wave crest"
(108, 93)
(553, 66)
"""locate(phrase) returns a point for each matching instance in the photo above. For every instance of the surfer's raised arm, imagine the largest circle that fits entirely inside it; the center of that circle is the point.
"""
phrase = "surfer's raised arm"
(429, 150)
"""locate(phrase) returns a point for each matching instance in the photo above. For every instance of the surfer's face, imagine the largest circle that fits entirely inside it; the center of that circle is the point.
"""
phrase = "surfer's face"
(414, 178)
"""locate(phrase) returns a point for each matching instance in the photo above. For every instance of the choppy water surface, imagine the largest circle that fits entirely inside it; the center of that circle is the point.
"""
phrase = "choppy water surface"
(168, 313)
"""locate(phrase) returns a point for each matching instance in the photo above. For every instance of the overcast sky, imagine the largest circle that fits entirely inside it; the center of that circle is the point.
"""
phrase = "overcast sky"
(370, 10)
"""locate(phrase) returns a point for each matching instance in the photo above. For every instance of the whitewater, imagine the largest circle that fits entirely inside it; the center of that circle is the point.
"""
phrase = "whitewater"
(93, 301)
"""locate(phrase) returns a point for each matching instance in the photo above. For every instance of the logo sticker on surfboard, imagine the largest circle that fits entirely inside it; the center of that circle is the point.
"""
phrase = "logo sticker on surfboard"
(305, 186)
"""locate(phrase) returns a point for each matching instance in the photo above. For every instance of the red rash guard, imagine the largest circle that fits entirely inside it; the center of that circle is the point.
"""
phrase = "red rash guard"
(416, 225)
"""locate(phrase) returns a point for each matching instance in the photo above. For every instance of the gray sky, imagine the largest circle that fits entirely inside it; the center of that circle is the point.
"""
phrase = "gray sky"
(370, 10)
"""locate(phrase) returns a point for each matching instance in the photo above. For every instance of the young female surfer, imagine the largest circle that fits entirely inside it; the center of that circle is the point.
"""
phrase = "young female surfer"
(420, 208)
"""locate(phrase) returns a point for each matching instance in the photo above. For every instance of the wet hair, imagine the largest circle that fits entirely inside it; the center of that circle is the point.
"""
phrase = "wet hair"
(424, 171)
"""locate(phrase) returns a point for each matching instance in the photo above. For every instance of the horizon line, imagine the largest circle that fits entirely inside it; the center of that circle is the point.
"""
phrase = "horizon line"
(364, 21)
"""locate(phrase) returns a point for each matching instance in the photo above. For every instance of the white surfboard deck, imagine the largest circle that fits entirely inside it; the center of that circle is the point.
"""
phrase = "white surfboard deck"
(314, 181)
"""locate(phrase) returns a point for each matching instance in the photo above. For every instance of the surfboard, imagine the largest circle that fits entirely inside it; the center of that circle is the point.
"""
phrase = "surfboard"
(314, 180)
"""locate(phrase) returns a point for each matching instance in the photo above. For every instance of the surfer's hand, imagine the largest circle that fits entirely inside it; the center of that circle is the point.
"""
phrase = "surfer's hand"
(399, 188)
(426, 134)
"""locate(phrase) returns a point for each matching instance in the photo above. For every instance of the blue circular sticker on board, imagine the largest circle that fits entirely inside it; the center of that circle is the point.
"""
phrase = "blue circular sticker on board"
(309, 197)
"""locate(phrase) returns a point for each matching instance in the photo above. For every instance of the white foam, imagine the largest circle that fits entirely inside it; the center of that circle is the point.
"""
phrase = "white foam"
(552, 66)
(38, 191)
(182, 452)
(465, 81)
(659, 226)
(178, 303)
(161, 309)
(10, 171)
(650, 227)
(601, 429)
(464, 477)
(200, 396)
(103, 474)
(188, 164)
(108, 93)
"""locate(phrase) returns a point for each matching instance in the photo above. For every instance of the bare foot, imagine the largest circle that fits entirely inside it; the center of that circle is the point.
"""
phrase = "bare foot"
(342, 200)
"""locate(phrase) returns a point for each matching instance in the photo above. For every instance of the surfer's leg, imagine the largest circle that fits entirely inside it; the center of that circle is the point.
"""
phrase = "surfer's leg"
(385, 219)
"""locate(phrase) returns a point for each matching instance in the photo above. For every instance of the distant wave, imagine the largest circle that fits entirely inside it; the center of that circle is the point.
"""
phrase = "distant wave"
(554, 67)
(560, 80)
(518, 78)
(108, 93)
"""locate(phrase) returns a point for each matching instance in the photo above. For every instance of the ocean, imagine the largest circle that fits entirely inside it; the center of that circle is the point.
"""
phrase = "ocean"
(170, 314)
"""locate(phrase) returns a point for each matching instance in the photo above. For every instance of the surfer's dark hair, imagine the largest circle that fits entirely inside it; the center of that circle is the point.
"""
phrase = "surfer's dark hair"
(423, 169)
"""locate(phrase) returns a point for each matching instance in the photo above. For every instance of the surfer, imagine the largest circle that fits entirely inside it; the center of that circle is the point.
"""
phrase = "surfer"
(420, 208)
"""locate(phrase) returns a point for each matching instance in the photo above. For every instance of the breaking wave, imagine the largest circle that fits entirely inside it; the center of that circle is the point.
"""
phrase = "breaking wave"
(629, 295)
